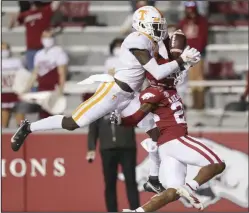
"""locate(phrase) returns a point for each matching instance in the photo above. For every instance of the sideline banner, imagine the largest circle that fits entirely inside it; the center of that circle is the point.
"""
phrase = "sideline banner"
(50, 173)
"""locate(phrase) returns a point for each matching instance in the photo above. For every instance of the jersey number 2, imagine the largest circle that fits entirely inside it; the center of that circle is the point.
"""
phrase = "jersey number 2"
(179, 113)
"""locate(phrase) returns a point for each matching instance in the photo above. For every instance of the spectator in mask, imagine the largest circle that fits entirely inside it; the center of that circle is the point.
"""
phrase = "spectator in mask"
(195, 27)
(50, 67)
(126, 27)
(10, 65)
(35, 20)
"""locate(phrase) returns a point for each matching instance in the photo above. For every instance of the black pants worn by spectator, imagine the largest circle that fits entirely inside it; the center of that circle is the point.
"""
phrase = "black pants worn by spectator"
(110, 160)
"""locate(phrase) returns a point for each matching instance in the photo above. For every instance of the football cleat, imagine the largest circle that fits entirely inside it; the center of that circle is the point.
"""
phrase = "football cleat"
(19, 137)
(153, 186)
(194, 201)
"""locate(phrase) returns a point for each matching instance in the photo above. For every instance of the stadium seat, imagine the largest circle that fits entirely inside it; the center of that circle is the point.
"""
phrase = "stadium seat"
(240, 106)
(221, 70)
(74, 12)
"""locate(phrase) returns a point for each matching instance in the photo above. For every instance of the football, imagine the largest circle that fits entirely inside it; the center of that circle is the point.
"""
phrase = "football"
(177, 44)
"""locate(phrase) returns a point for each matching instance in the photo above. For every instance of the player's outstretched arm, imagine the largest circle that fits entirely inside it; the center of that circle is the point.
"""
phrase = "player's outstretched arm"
(189, 57)
(134, 119)
(150, 64)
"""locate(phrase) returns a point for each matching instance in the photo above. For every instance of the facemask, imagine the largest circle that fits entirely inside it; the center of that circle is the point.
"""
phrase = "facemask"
(5, 53)
(47, 42)
(116, 51)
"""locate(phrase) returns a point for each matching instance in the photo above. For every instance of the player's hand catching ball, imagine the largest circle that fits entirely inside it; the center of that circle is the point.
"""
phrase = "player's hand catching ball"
(115, 118)
(190, 56)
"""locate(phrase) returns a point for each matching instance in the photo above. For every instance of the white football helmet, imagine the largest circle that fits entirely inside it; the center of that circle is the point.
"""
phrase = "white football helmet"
(150, 21)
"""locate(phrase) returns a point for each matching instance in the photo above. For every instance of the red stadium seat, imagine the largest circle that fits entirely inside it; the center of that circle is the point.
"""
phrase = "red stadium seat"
(232, 7)
(221, 70)
(74, 9)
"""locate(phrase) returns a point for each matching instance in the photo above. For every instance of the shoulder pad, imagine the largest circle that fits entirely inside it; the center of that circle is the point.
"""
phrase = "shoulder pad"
(137, 40)
(150, 95)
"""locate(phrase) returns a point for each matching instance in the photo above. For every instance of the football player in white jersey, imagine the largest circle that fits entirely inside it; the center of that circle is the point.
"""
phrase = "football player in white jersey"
(137, 55)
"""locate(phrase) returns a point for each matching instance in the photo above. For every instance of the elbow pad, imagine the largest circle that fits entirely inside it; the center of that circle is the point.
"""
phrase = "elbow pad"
(161, 71)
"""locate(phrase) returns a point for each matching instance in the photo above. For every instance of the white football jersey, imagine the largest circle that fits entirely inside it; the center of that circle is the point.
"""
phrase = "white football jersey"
(9, 68)
(129, 70)
(48, 60)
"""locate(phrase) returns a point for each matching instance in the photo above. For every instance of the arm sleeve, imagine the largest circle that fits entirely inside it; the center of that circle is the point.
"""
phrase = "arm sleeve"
(93, 135)
(147, 96)
(134, 119)
(161, 71)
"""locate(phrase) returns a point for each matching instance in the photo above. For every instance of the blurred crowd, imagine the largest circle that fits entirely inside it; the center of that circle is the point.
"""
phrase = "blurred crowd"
(47, 63)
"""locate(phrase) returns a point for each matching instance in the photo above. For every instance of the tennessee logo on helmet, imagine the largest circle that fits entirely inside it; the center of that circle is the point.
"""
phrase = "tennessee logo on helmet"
(142, 13)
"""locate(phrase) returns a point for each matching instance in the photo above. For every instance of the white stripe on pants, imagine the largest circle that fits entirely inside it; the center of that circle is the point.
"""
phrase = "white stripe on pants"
(176, 154)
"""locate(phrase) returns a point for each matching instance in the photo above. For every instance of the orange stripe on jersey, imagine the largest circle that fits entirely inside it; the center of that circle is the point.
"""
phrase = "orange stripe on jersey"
(87, 101)
(94, 102)
(148, 36)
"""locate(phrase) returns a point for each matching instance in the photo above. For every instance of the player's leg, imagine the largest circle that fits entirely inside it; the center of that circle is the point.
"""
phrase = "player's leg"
(196, 154)
(172, 175)
(19, 118)
(210, 162)
(153, 184)
(5, 117)
(148, 125)
(97, 106)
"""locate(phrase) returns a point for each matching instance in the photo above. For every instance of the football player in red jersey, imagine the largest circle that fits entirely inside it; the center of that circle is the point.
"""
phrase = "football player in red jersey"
(176, 148)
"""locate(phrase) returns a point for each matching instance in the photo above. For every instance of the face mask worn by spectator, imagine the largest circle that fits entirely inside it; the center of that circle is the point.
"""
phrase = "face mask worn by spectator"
(116, 51)
(48, 42)
(5, 53)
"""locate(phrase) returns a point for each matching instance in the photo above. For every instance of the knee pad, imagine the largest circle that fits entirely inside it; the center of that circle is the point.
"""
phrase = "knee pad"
(69, 124)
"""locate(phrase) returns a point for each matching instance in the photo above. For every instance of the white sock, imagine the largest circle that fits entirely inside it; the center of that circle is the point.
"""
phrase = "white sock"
(193, 185)
(140, 209)
(154, 163)
(49, 123)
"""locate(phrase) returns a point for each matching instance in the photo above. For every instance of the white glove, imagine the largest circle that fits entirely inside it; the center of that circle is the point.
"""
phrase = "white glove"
(190, 64)
(115, 118)
(190, 54)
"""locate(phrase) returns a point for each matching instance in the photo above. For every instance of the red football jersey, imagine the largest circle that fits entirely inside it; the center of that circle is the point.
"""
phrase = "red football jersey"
(169, 116)
(35, 21)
